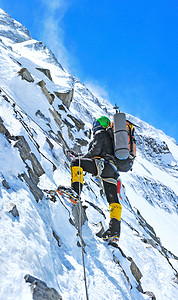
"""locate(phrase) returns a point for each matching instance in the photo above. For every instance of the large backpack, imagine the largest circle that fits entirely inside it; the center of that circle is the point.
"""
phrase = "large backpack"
(122, 134)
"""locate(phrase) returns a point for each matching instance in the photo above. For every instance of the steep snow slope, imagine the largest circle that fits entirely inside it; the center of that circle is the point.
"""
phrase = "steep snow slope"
(35, 129)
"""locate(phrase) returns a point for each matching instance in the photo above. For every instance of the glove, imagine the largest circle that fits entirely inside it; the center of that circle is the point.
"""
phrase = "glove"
(73, 153)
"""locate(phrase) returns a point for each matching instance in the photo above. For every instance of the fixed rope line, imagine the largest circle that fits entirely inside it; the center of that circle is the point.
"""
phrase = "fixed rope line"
(80, 233)
(61, 145)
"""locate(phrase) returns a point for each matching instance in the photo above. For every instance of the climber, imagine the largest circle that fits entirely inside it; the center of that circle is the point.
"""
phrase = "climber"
(98, 161)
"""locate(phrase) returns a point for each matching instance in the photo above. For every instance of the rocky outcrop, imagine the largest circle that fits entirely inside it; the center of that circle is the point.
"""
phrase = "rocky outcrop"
(46, 72)
(25, 74)
(13, 210)
(27, 156)
(3, 129)
(35, 172)
(65, 97)
(42, 116)
(78, 123)
(56, 116)
(5, 184)
(25, 153)
(40, 291)
(79, 214)
(45, 91)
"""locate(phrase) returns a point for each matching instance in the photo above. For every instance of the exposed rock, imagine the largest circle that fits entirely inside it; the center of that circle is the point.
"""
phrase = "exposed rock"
(37, 193)
(47, 94)
(136, 273)
(40, 290)
(65, 121)
(25, 153)
(70, 134)
(76, 211)
(6, 98)
(151, 295)
(49, 143)
(56, 116)
(176, 278)
(32, 175)
(41, 83)
(37, 168)
(39, 113)
(5, 184)
(61, 107)
(65, 97)
(57, 238)
(46, 72)
(25, 74)
(13, 210)
(62, 140)
(81, 142)
(3, 129)
(23, 147)
(147, 227)
(15, 61)
(78, 123)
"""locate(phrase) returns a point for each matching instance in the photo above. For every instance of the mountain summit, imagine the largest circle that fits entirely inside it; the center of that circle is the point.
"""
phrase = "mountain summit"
(44, 111)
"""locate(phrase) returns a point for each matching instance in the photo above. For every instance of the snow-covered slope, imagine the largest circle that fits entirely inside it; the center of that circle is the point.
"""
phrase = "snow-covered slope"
(44, 111)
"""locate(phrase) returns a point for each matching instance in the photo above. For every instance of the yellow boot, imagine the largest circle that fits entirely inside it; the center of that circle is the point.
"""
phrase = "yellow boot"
(115, 211)
(76, 178)
(115, 222)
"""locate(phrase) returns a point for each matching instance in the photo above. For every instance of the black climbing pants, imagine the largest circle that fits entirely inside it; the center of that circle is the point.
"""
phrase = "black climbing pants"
(108, 175)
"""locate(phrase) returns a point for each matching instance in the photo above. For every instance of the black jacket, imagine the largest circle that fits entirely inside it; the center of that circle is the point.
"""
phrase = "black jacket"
(101, 145)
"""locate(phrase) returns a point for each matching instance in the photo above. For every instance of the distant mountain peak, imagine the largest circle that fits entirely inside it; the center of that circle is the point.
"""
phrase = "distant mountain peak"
(11, 30)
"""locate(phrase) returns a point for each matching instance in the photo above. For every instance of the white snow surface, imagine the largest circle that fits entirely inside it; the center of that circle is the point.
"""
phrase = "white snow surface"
(27, 244)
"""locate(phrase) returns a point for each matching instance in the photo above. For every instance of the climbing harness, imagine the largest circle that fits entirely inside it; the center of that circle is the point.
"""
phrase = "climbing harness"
(99, 165)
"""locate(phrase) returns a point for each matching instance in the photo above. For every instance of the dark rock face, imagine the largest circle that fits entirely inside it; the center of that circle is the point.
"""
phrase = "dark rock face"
(45, 91)
(65, 97)
(40, 291)
(46, 72)
(13, 210)
(42, 116)
(37, 193)
(3, 129)
(26, 154)
(5, 184)
(78, 123)
(25, 74)
(56, 116)
(79, 215)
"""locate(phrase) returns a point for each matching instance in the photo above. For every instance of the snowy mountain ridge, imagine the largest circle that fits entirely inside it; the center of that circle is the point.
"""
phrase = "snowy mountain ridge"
(44, 111)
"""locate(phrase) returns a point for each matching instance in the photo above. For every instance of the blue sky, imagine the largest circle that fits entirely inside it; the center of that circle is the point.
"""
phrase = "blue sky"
(125, 51)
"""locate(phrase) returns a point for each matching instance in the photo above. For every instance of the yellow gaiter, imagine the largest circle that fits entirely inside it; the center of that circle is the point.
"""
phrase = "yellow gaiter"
(115, 211)
(76, 176)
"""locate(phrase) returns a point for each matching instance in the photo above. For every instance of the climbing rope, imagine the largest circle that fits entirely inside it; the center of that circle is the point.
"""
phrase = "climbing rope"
(20, 118)
(80, 234)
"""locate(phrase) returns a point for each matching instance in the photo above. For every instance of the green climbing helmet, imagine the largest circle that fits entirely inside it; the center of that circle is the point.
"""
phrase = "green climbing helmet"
(104, 121)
